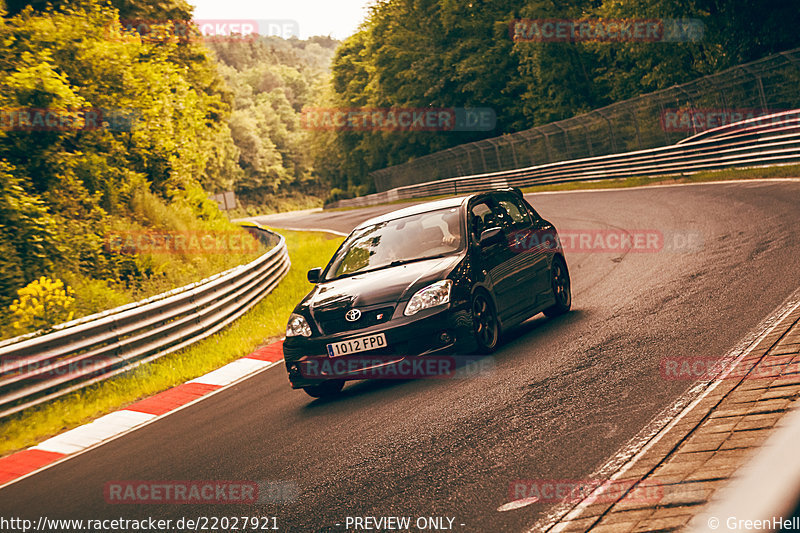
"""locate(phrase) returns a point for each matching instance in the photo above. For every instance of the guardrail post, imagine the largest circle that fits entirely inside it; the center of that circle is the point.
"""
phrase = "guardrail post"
(471, 164)
(760, 86)
(499, 165)
(636, 126)
(483, 159)
(588, 140)
(661, 121)
(547, 147)
(567, 145)
(690, 101)
(610, 130)
(513, 152)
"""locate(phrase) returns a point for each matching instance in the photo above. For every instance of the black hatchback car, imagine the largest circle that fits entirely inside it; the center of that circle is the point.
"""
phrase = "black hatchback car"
(440, 277)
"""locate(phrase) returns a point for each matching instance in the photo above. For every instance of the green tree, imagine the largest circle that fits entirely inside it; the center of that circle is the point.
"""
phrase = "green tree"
(162, 113)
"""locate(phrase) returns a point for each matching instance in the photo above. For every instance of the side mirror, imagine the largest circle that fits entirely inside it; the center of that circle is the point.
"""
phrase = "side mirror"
(490, 236)
(313, 275)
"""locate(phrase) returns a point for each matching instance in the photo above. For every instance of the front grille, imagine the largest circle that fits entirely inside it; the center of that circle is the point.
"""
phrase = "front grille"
(331, 322)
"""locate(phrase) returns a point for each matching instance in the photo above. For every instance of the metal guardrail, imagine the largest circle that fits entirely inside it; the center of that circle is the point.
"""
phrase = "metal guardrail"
(765, 140)
(652, 120)
(38, 368)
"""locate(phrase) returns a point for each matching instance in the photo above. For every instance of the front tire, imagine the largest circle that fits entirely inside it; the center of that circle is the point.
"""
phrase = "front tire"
(562, 289)
(485, 326)
(325, 389)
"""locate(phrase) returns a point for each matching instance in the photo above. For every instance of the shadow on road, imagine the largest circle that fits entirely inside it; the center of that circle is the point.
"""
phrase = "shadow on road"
(361, 389)
(541, 322)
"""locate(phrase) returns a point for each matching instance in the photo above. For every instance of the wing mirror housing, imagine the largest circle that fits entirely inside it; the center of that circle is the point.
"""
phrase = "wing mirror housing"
(314, 274)
(490, 236)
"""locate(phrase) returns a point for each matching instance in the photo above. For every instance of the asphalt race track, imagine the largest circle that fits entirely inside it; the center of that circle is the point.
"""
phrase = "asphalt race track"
(560, 398)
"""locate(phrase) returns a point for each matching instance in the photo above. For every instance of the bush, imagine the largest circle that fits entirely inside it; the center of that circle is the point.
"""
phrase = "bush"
(337, 194)
(41, 304)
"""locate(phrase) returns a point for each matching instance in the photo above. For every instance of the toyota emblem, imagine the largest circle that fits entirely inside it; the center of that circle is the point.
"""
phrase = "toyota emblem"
(352, 315)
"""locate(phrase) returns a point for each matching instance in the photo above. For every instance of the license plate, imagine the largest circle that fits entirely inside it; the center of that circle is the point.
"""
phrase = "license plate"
(360, 344)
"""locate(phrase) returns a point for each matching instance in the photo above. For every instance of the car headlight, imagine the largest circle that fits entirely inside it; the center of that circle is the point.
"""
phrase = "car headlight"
(434, 294)
(297, 326)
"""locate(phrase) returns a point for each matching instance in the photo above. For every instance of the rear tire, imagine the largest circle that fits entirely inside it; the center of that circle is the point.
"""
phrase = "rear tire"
(562, 291)
(325, 389)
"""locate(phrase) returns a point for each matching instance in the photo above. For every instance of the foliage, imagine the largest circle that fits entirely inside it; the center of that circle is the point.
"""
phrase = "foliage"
(272, 80)
(182, 117)
(42, 303)
(161, 136)
(337, 194)
(267, 320)
(450, 53)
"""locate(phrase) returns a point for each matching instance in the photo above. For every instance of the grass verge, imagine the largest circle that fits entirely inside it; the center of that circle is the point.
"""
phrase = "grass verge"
(263, 323)
(272, 203)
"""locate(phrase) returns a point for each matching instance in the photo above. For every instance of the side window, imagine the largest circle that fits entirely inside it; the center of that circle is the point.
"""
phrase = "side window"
(514, 213)
(481, 218)
(536, 216)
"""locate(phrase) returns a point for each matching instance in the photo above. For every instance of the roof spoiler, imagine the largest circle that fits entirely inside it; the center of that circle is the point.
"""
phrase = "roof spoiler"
(515, 190)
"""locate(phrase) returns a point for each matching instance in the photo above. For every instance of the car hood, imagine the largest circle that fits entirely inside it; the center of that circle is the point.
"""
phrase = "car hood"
(387, 285)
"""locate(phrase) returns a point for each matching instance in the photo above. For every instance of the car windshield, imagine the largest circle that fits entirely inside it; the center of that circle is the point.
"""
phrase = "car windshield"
(397, 241)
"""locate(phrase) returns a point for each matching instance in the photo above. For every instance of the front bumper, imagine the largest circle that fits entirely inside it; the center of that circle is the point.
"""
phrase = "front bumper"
(431, 331)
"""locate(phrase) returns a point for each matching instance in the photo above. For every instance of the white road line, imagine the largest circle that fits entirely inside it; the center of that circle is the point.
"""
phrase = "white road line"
(121, 418)
(124, 419)
(276, 216)
(231, 372)
(51, 445)
(321, 230)
(95, 432)
(516, 504)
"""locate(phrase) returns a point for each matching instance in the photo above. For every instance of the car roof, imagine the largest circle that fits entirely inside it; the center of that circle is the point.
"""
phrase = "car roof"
(417, 209)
